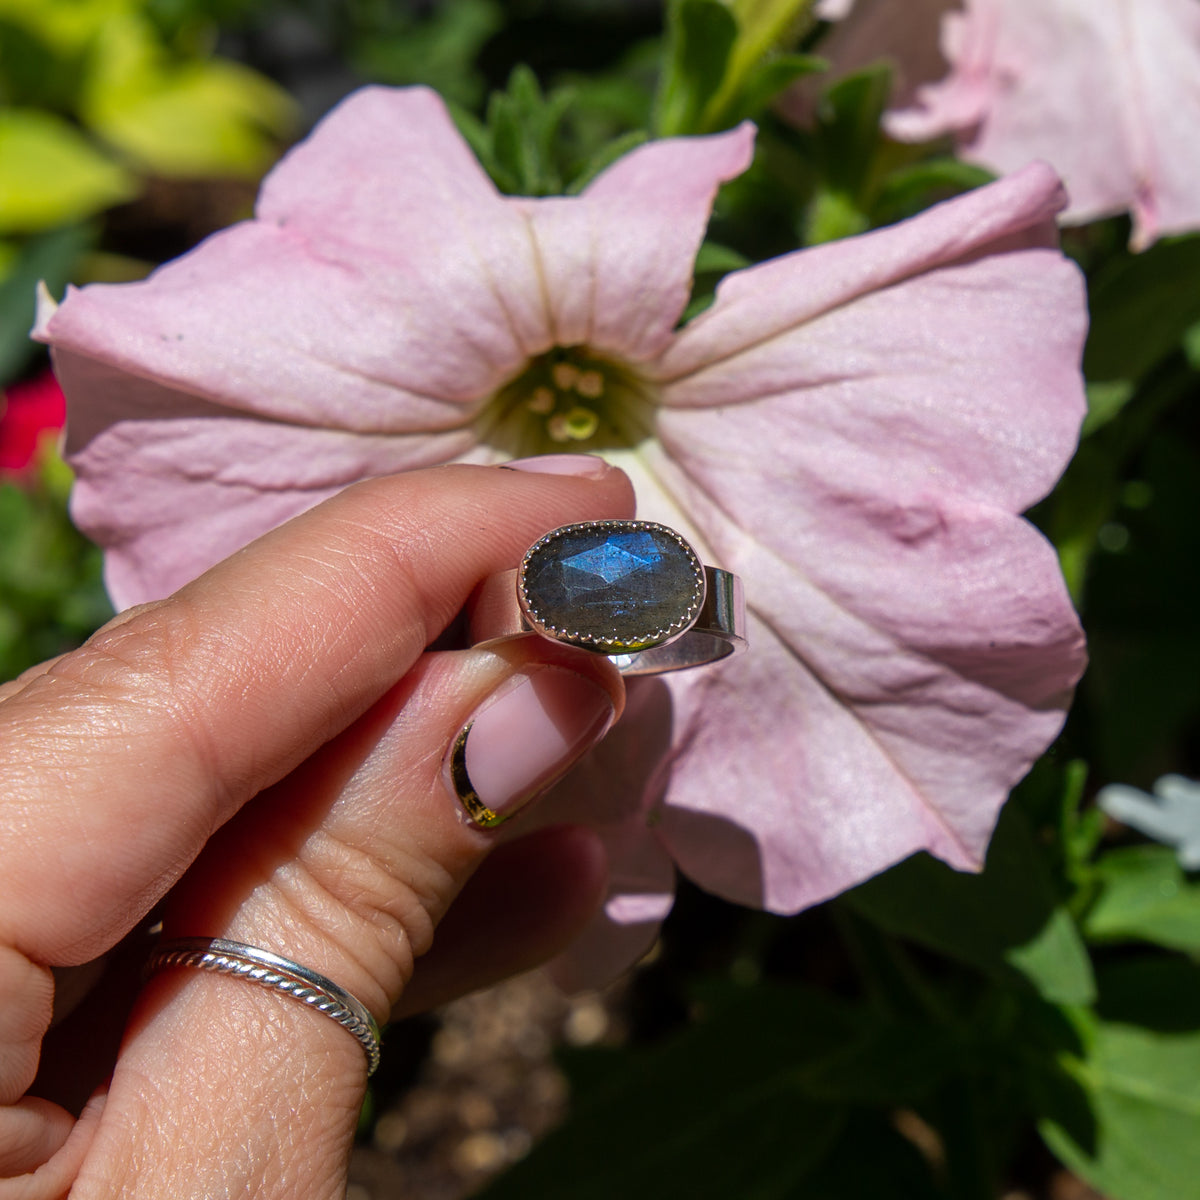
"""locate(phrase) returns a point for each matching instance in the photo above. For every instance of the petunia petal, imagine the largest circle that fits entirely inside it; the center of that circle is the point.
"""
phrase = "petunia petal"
(906, 669)
(913, 646)
(799, 801)
(913, 650)
(1107, 91)
(384, 289)
(887, 704)
(962, 99)
(168, 498)
(617, 262)
(894, 355)
(384, 285)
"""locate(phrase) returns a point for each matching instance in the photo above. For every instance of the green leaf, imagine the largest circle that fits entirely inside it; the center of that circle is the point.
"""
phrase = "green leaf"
(1006, 921)
(1080, 830)
(1141, 695)
(1105, 400)
(664, 1121)
(51, 596)
(1145, 1112)
(1056, 961)
(871, 1161)
(605, 157)
(50, 257)
(700, 38)
(885, 1062)
(189, 117)
(52, 175)
(66, 26)
(912, 189)
(833, 215)
(1145, 896)
(1191, 346)
(715, 259)
(475, 133)
(1141, 306)
(31, 74)
(767, 80)
(848, 130)
(439, 50)
(1083, 502)
(763, 27)
(1151, 989)
(522, 126)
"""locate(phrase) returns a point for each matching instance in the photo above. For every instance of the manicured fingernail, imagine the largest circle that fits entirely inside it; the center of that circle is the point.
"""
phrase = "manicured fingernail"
(589, 466)
(523, 739)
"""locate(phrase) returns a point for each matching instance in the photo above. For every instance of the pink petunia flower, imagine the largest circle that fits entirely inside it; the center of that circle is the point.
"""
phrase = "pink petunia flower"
(1106, 91)
(851, 428)
(29, 411)
(905, 35)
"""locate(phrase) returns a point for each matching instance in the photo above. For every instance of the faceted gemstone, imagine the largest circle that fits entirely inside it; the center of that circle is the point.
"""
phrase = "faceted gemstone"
(613, 585)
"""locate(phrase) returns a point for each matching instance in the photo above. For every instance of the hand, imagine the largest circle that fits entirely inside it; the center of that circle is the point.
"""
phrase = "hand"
(260, 757)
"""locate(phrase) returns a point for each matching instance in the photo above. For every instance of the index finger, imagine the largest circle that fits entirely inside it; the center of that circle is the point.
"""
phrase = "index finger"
(120, 760)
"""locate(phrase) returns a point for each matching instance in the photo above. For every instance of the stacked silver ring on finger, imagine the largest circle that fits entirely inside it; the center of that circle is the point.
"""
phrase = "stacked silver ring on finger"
(277, 973)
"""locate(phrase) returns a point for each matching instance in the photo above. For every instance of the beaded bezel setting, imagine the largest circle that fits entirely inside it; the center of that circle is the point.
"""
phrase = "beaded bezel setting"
(614, 587)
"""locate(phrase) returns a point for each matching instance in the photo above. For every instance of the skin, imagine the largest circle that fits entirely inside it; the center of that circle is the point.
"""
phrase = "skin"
(259, 757)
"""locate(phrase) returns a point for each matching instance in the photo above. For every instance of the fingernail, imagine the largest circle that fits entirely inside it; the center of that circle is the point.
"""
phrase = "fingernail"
(588, 466)
(523, 739)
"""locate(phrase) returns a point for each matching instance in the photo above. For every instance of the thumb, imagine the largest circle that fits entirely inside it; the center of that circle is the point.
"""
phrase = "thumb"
(354, 858)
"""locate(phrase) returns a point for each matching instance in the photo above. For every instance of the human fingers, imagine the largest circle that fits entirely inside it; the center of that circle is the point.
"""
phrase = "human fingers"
(346, 866)
(120, 760)
(541, 890)
(355, 858)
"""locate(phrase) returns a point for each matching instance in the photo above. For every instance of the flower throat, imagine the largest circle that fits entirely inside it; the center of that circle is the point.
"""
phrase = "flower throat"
(568, 399)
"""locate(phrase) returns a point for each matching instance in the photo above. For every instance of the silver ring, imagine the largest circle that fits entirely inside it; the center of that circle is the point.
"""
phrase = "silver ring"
(280, 974)
(635, 591)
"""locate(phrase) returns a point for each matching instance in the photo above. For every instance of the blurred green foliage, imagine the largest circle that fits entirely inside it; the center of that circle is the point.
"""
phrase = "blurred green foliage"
(51, 595)
(138, 94)
(97, 96)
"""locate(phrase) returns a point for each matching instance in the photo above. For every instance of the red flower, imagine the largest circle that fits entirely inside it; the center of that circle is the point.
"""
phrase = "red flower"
(30, 408)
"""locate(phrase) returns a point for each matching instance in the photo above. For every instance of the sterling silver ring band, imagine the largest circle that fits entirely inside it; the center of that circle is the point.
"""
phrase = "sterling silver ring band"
(632, 590)
(280, 974)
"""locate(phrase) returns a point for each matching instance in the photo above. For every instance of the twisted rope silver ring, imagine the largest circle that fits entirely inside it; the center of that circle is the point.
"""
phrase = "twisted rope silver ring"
(280, 974)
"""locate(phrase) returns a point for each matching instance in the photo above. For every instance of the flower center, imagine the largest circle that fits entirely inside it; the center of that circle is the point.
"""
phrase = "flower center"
(568, 399)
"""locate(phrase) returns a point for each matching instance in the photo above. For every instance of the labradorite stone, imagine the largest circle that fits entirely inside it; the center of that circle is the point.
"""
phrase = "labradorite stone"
(624, 584)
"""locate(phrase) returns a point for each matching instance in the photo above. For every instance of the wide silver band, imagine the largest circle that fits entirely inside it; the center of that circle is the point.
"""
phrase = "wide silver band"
(279, 974)
(719, 629)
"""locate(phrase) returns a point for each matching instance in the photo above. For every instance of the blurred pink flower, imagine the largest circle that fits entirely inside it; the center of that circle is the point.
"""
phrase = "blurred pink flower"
(851, 428)
(905, 35)
(29, 410)
(1106, 91)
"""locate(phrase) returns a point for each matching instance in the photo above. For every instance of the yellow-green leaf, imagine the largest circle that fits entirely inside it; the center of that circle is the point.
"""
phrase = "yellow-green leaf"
(50, 174)
(181, 118)
(64, 25)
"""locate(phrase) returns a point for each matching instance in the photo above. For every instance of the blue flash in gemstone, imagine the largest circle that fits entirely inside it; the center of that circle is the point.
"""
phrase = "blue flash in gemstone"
(615, 586)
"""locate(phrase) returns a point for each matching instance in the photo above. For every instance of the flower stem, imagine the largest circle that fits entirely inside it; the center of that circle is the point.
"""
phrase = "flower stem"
(763, 25)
